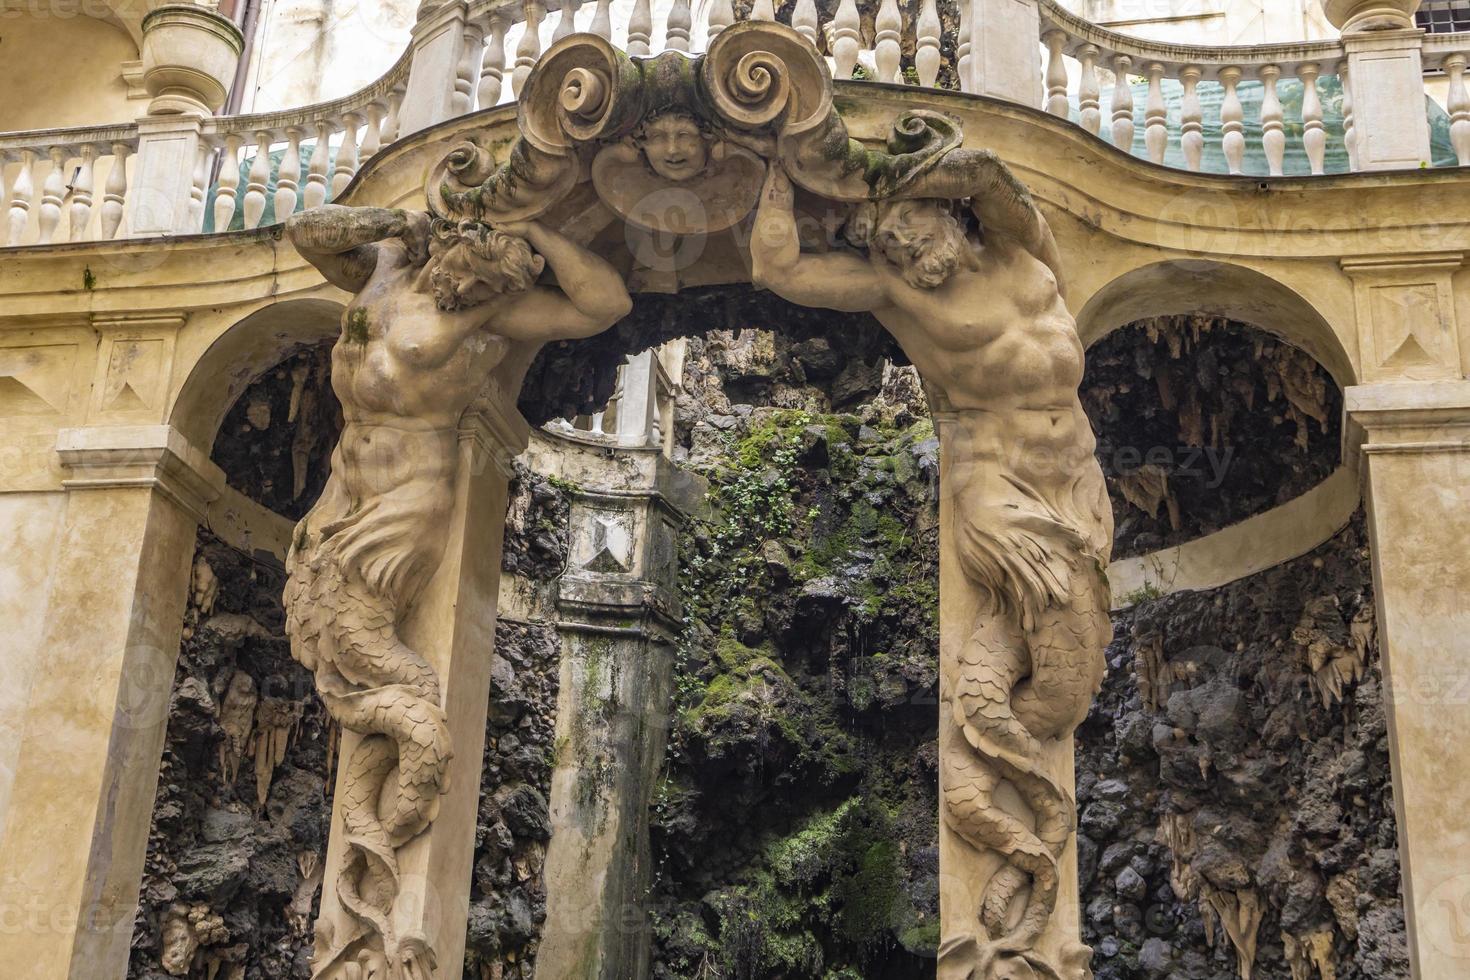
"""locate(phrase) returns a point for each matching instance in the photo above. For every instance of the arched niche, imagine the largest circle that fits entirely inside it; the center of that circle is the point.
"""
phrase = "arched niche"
(1219, 289)
(242, 353)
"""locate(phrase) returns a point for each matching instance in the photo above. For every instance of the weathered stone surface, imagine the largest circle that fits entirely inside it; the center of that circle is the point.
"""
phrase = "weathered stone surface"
(1250, 785)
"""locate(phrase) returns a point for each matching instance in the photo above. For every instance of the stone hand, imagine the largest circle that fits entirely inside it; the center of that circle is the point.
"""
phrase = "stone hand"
(520, 229)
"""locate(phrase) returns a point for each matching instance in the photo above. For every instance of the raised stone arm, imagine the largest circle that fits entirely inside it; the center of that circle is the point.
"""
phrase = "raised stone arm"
(592, 296)
(835, 280)
(342, 242)
(1005, 207)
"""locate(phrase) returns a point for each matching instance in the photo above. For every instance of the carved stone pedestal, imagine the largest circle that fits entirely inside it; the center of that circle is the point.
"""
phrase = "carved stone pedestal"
(617, 613)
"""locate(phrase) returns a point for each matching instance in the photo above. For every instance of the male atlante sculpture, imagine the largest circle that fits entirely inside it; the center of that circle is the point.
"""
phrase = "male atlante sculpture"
(980, 313)
(418, 342)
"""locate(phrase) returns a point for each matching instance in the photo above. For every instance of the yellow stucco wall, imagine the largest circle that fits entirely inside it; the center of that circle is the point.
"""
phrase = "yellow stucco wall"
(63, 71)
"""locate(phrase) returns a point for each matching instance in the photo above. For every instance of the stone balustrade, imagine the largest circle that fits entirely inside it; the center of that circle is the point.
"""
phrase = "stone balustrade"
(79, 175)
(1098, 52)
(255, 169)
(640, 413)
(298, 158)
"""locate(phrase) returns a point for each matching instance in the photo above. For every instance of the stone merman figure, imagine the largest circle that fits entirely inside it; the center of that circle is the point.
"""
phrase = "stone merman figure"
(435, 308)
(981, 314)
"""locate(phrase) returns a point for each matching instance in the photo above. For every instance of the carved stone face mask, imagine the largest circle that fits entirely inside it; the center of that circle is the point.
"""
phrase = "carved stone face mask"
(675, 147)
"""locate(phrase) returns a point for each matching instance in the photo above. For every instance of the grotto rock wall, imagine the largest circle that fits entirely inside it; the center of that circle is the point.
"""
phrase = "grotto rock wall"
(1233, 784)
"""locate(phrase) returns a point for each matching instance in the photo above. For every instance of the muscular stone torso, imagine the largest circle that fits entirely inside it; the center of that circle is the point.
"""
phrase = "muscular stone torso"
(404, 372)
(999, 343)
(401, 358)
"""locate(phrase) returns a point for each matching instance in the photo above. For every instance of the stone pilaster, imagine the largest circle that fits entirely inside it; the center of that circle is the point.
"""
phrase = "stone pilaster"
(1416, 448)
(440, 41)
(76, 832)
(163, 176)
(617, 612)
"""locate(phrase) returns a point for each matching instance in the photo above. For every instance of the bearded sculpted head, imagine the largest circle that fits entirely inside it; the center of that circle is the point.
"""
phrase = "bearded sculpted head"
(471, 263)
(675, 144)
(922, 237)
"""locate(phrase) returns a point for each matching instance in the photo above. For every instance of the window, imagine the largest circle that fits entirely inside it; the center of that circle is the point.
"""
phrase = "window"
(1444, 16)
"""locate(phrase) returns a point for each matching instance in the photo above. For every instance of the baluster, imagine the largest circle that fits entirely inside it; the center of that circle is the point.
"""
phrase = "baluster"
(115, 191)
(1156, 116)
(1232, 120)
(288, 177)
(1122, 104)
(962, 50)
(1089, 90)
(1349, 127)
(229, 183)
(1056, 74)
(888, 50)
(763, 10)
(318, 168)
(390, 122)
(1459, 107)
(805, 20)
(1314, 130)
(199, 186)
(372, 137)
(530, 47)
(1192, 118)
(81, 192)
(21, 194)
(602, 18)
(1273, 124)
(53, 194)
(566, 23)
(926, 44)
(678, 26)
(492, 68)
(640, 28)
(259, 180)
(845, 39)
(347, 154)
(467, 72)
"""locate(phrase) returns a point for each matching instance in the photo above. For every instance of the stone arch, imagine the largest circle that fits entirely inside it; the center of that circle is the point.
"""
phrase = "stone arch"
(1222, 289)
(242, 353)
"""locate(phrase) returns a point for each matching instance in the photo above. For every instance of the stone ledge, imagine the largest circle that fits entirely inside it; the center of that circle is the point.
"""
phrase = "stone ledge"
(151, 456)
(1409, 416)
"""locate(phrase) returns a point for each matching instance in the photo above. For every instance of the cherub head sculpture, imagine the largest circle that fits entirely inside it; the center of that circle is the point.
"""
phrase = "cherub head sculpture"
(675, 144)
(921, 236)
(471, 263)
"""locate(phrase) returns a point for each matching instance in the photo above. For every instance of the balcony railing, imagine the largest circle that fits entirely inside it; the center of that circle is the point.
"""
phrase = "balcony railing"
(1162, 102)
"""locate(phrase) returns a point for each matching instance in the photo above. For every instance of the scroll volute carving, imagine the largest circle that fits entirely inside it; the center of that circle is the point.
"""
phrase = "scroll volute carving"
(764, 76)
(583, 91)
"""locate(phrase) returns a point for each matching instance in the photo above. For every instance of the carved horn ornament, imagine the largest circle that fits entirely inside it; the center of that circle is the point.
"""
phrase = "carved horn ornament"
(583, 90)
(758, 74)
(762, 85)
